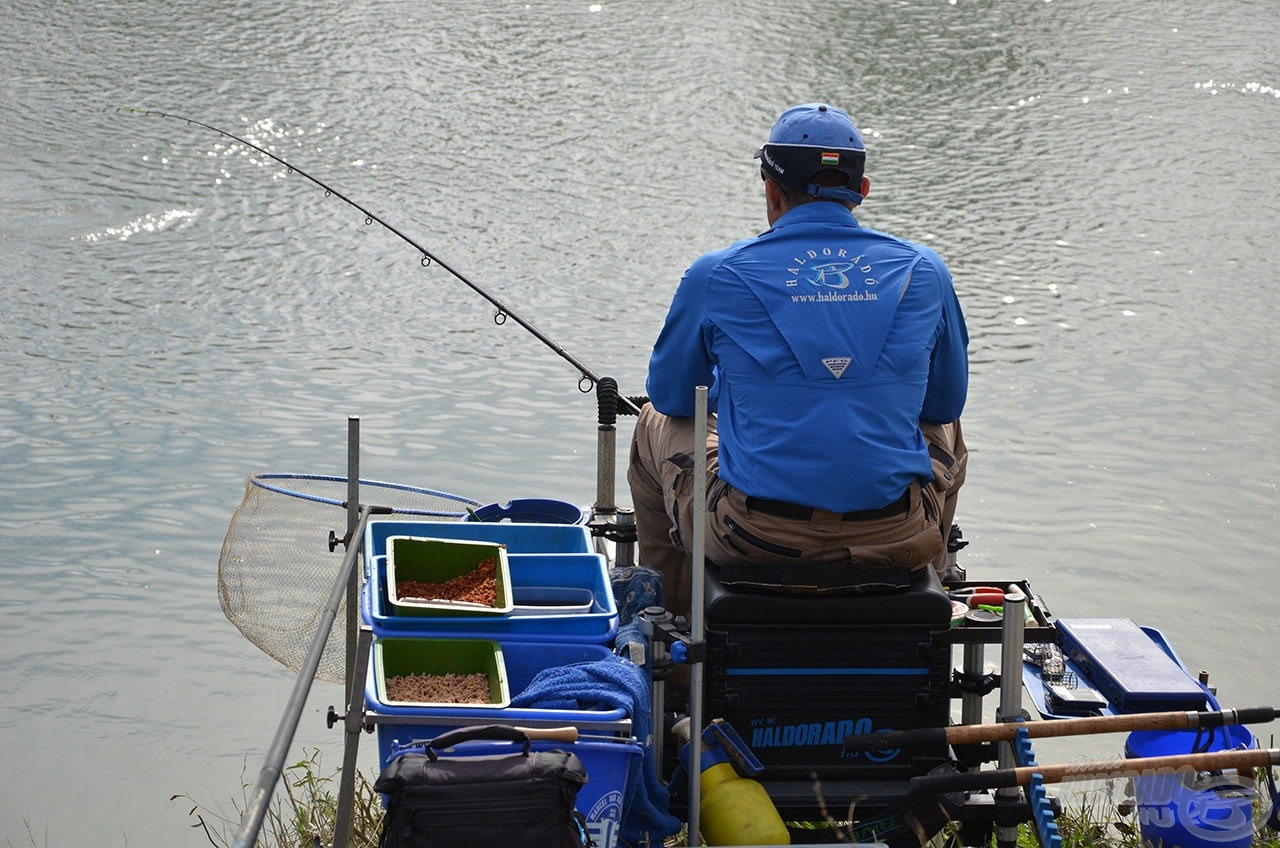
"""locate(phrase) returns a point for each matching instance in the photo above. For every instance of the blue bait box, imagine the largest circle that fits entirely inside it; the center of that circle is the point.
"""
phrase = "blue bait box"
(1123, 663)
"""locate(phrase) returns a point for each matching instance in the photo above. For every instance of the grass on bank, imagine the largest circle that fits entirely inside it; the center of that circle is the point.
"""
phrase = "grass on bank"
(304, 806)
(302, 811)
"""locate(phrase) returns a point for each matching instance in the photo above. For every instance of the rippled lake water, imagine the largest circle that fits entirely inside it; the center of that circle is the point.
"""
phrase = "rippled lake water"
(1102, 179)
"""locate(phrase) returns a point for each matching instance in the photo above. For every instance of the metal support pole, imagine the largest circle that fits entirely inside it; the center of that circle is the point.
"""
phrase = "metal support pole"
(625, 551)
(971, 702)
(657, 656)
(697, 626)
(606, 445)
(606, 453)
(606, 448)
(357, 649)
(606, 505)
(353, 518)
(1013, 635)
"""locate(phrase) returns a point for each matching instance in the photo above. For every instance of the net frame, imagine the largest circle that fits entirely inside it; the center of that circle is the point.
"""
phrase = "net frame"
(278, 564)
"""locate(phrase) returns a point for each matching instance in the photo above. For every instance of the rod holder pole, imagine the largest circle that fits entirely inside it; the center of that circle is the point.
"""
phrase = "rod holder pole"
(971, 702)
(1012, 637)
(344, 815)
(606, 445)
(625, 551)
(697, 626)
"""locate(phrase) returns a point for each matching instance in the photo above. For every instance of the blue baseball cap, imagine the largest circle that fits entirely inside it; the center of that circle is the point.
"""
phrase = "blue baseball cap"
(810, 138)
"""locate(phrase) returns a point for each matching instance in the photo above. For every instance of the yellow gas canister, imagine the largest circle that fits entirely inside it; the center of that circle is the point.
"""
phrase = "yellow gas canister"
(733, 810)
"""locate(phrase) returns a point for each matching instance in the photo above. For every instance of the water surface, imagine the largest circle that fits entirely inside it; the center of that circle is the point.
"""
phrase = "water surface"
(179, 312)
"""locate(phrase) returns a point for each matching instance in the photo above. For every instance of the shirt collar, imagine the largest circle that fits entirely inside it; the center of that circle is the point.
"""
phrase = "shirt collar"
(817, 211)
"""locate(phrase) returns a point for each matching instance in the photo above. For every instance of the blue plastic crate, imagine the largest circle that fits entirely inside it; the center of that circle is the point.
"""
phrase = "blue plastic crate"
(519, 538)
(596, 623)
(608, 766)
(523, 661)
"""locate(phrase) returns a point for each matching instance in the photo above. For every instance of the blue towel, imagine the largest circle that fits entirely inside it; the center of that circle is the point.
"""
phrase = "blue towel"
(613, 683)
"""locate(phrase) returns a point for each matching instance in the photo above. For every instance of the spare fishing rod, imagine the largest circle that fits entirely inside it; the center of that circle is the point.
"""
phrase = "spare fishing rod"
(941, 783)
(589, 377)
(961, 734)
(932, 800)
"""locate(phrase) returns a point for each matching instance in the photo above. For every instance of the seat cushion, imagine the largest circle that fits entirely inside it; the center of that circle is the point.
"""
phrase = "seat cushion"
(922, 601)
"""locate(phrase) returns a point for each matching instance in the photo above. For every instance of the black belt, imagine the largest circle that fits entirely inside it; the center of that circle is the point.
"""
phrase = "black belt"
(796, 512)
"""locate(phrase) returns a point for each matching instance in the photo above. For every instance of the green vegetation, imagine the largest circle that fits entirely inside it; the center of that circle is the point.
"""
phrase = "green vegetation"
(302, 811)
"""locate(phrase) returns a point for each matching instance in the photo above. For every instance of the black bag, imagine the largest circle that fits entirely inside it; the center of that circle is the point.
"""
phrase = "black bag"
(523, 800)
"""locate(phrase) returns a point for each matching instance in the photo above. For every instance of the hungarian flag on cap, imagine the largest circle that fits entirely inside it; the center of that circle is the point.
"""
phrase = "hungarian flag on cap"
(831, 159)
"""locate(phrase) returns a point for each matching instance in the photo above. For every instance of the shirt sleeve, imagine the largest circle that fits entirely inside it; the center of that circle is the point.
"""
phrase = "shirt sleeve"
(948, 384)
(681, 359)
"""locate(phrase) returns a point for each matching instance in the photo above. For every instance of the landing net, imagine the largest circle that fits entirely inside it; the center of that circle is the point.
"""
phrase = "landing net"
(276, 570)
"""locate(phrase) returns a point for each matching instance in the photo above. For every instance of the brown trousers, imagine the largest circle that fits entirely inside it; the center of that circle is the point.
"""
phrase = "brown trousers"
(661, 478)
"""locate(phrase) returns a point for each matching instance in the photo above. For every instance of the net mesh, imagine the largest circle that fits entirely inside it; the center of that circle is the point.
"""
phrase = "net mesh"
(276, 570)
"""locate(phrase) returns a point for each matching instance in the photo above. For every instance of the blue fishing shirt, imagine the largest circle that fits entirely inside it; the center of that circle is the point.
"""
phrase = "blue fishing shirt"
(824, 344)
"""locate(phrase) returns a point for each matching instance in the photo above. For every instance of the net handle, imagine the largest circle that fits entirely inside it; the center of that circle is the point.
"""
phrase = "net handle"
(259, 481)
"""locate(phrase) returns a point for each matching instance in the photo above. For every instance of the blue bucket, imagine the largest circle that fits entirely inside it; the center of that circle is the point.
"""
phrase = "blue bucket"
(531, 511)
(1176, 808)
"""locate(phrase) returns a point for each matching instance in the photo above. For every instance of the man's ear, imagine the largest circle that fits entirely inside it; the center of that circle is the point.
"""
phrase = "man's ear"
(866, 187)
(774, 203)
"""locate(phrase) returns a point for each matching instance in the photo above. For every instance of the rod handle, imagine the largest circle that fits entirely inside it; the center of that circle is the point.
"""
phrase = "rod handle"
(888, 740)
(973, 781)
(568, 733)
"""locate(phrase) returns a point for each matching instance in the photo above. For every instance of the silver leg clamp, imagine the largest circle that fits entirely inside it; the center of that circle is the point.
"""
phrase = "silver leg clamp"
(1013, 636)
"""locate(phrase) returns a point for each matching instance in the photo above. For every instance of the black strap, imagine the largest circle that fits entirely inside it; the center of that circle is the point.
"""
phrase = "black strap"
(499, 732)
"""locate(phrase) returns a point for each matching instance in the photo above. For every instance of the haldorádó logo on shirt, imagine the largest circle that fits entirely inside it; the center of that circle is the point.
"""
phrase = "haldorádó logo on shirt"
(833, 275)
(830, 268)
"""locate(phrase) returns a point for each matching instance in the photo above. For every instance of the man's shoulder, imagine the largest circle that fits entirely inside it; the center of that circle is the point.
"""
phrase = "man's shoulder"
(923, 251)
(707, 263)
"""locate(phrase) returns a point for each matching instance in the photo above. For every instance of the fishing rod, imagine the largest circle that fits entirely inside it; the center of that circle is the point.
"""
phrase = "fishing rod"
(1249, 758)
(589, 377)
(960, 734)
(931, 800)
